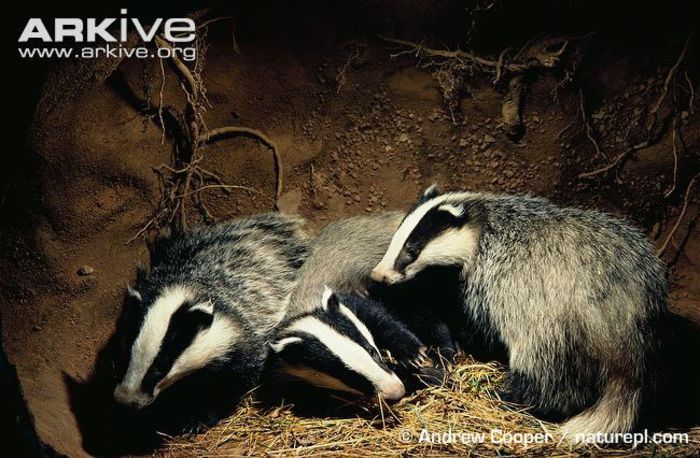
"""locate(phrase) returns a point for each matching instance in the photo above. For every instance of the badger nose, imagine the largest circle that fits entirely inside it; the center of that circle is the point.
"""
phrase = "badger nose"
(393, 390)
(378, 275)
(131, 398)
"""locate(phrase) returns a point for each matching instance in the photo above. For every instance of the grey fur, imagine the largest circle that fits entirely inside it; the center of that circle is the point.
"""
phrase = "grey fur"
(341, 257)
(248, 265)
(576, 298)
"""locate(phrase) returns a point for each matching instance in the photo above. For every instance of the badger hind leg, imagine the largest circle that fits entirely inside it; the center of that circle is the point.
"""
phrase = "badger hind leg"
(526, 390)
(615, 412)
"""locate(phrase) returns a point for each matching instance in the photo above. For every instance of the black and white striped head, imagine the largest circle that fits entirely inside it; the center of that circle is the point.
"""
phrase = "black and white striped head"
(332, 349)
(169, 335)
(441, 230)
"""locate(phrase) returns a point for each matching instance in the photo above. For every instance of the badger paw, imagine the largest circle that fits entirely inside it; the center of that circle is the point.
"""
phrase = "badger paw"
(417, 379)
(431, 376)
(410, 354)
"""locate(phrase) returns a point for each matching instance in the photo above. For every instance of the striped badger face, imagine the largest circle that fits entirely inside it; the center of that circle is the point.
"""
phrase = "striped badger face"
(441, 230)
(331, 348)
(168, 338)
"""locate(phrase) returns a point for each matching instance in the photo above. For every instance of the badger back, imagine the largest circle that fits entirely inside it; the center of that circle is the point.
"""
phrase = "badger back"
(342, 257)
(251, 263)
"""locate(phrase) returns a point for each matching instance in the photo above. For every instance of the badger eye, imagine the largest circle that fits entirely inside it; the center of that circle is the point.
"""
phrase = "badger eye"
(412, 251)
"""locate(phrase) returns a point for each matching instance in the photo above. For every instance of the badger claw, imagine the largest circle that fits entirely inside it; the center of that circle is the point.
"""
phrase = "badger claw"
(422, 360)
(423, 352)
(387, 356)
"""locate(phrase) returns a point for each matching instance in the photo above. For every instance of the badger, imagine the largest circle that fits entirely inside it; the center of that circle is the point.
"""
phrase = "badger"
(336, 331)
(195, 327)
(575, 297)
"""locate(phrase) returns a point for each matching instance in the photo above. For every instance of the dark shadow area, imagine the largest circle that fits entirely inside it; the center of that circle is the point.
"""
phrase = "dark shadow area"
(431, 306)
(677, 401)
(15, 419)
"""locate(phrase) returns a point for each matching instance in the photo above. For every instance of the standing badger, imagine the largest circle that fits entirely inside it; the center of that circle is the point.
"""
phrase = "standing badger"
(333, 332)
(194, 328)
(574, 296)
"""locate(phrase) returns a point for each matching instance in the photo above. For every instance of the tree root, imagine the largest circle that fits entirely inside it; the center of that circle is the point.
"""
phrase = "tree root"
(231, 131)
(667, 81)
(588, 127)
(184, 181)
(341, 77)
(673, 230)
(654, 134)
(674, 129)
(618, 161)
(536, 56)
(512, 108)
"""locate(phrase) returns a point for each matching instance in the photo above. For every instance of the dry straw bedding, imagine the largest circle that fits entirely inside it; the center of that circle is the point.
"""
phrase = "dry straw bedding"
(466, 403)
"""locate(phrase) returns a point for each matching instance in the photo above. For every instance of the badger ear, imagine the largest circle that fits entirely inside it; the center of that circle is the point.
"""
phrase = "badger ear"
(204, 307)
(279, 345)
(456, 210)
(133, 296)
(329, 301)
(429, 193)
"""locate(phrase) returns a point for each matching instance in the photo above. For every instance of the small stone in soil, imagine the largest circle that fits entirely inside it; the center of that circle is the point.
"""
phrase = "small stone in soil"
(85, 270)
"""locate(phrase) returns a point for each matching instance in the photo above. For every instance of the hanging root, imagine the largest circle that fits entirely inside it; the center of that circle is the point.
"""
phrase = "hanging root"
(653, 133)
(341, 77)
(452, 67)
(512, 108)
(588, 127)
(184, 181)
(231, 131)
(675, 227)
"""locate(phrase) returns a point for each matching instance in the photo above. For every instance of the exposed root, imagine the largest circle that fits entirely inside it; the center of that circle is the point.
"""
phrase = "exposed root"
(667, 81)
(423, 51)
(160, 101)
(184, 181)
(231, 131)
(499, 66)
(691, 89)
(618, 161)
(452, 67)
(451, 81)
(653, 133)
(674, 129)
(341, 77)
(512, 108)
(565, 128)
(587, 125)
(673, 230)
(180, 68)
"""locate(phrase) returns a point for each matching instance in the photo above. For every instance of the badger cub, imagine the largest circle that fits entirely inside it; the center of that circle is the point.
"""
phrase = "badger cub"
(194, 328)
(335, 331)
(574, 296)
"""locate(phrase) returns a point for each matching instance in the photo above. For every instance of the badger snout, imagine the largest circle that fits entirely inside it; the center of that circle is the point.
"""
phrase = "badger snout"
(131, 398)
(381, 274)
(392, 390)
